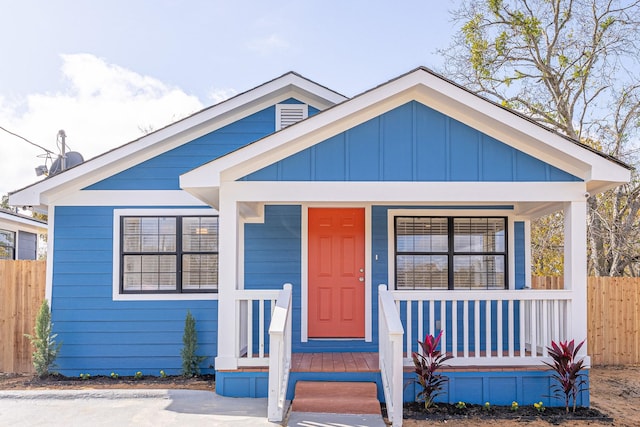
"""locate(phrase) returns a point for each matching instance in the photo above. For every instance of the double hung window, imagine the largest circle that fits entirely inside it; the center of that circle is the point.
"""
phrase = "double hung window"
(450, 252)
(169, 254)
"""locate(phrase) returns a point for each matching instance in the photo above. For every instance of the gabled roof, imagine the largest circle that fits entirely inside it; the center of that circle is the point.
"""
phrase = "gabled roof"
(599, 171)
(205, 121)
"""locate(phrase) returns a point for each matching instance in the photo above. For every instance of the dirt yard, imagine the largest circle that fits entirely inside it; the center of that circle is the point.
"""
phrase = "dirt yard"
(614, 391)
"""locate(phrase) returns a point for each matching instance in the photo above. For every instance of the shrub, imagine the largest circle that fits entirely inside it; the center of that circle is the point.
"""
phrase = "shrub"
(190, 361)
(567, 371)
(44, 342)
(427, 363)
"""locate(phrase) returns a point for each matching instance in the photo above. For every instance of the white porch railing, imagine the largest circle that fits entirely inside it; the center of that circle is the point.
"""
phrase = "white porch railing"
(390, 353)
(280, 355)
(510, 328)
(254, 311)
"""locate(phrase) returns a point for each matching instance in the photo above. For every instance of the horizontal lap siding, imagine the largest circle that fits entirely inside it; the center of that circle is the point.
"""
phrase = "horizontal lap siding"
(272, 257)
(163, 172)
(411, 143)
(100, 335)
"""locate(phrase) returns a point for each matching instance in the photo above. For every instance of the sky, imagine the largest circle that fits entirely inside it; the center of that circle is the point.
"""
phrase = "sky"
(106, 72)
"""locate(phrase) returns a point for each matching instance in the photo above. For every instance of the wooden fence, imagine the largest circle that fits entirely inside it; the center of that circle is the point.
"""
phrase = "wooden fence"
(613, 315)
(613, 318)
(22, 286)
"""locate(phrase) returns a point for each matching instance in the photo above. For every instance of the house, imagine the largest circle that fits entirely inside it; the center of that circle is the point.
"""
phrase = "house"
(299, 226)
(19, 235)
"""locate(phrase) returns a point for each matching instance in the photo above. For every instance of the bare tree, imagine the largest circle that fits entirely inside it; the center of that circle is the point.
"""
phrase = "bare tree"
(572, 66)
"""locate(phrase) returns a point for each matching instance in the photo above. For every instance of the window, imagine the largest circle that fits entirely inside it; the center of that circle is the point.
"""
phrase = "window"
(450, 253)
(7, 244)
(169, 254)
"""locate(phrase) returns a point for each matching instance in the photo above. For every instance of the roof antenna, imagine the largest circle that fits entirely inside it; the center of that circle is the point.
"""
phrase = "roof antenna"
(63, 155)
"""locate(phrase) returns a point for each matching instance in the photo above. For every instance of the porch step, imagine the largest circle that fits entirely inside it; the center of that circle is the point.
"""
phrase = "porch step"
(336, 397)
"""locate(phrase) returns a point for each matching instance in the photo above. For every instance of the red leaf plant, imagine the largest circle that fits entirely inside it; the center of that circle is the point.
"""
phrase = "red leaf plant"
(427, 363)
(567, 371)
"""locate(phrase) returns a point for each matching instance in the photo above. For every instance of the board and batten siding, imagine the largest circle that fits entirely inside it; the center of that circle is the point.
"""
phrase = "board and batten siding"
(163, 172)
(411, 143)
(100, 335)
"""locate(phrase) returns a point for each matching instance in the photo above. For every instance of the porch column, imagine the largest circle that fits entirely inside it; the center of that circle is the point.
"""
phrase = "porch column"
(227, 282)
(575, 267)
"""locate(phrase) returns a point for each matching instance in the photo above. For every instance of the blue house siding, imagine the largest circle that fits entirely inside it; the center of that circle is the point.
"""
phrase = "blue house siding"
(498, 388)
(273, 257)
(100, 335)
(411, 143)
(163, 172)
(520, 270)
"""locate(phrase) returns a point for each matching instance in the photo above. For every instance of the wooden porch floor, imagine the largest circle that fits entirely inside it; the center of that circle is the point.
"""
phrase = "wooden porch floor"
(334, 362)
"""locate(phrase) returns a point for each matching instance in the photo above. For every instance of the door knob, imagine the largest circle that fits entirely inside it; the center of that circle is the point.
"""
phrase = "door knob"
(361, 279)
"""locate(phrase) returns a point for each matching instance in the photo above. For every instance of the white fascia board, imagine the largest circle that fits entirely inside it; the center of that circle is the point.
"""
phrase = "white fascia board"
(129, 198)
(15, 223)
(404, 192)
(436, 93)
(174, 135)
(518, 132)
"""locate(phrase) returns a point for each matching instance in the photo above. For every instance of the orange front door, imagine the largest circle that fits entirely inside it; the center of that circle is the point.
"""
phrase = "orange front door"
(336, 273)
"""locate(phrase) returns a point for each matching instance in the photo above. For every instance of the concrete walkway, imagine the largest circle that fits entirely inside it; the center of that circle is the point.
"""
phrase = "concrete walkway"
(152, 408)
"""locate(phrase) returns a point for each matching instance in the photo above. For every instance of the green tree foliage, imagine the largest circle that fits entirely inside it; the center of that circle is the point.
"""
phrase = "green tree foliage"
(190, 361)
(571, 65)
(5, 202)
(43, 340)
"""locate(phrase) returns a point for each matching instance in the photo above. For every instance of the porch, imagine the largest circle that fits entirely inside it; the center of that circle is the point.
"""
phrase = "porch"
(495, 337)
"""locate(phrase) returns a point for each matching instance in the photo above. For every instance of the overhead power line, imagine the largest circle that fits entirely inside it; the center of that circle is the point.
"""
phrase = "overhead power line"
(26, 140)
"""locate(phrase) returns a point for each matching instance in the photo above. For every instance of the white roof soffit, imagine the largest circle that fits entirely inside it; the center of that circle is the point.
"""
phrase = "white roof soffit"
(433, 91)
(6, 217)
(176, 134)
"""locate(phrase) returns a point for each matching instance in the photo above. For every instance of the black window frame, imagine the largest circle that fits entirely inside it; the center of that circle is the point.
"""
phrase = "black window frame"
(451, 252)
(179, 253)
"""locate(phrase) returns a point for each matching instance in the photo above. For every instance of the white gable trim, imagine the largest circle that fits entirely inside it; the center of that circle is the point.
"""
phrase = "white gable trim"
(433, 91)
(20, 223)
(287, 86)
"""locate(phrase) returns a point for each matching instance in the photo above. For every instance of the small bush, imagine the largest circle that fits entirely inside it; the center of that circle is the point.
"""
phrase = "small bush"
(567, 371)
(44, 342)
(426, 366)
(190, 361)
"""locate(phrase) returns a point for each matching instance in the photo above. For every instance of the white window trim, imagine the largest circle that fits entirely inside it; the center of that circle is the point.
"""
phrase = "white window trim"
(117, 214)
(391, 241)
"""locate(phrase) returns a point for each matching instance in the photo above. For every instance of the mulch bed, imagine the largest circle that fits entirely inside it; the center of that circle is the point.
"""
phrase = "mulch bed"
(444, 412)
(12, 381)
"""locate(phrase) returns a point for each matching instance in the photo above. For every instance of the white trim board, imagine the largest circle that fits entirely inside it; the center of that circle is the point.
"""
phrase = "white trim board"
(116, 295)
(433, 91)
(290, 85)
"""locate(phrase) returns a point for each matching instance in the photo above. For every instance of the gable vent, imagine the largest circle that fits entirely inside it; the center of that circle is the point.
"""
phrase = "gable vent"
(288, 114)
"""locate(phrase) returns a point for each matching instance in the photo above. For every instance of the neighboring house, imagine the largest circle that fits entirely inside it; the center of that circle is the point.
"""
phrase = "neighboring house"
(417, 184)
(19, 235)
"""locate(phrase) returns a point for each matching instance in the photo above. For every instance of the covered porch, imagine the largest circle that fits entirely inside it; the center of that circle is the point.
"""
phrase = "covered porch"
(496, 335)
